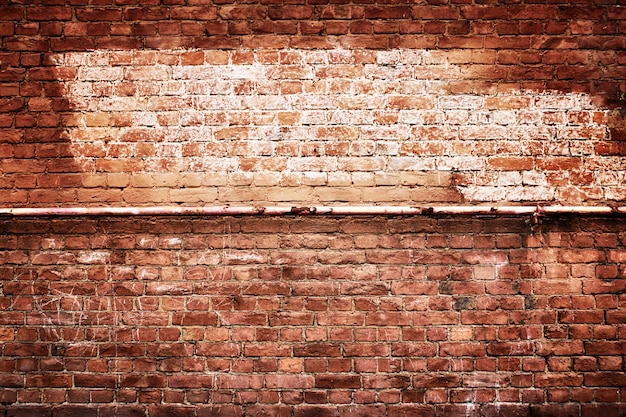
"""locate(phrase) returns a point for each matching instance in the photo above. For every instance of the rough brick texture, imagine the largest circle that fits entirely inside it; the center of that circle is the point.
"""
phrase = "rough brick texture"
(311, 103)
(308, 102)
(312, 316)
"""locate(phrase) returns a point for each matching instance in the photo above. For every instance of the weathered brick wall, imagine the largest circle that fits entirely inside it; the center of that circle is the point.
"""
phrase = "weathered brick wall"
(315, 316)
(302, 103)
(358, 103)
(321, 126)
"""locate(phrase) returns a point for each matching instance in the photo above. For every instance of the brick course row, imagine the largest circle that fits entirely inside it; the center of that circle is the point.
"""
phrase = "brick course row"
(82, 26)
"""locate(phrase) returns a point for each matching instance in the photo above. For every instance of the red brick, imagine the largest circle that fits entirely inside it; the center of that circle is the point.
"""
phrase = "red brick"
(221, 350)
(290, 12)
(49, 13)
(314, 411)
(558, 379)
(560, 348)
(484, 12)
(436, 380)
(162, 410)
(581, 317)
(435, 12)
(73, 410)
(13, 12)
(510, 349)
(387, 12)
(478, 317)
(95, 381)
(337, 381)
(194, 319)
(582, 256)
(49, 381)
(462, 42)
(97, 14)
(190, 381)
(208, 13)
(605, 379)
(462, 349)
(289, 381)
(511, 163)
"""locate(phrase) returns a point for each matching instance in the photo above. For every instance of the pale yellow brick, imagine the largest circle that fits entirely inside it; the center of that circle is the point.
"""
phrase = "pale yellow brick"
(392, 134)
(288, 118)
(615, 193)
(412, 164)
(240, 178)
(118, 180)
(320, 164)
(99, 195)
(411, 178)
(166, 179)
(485, 272)
(97, 119)
(292, 194)
(216, 57)
(142, 180)
(193, 195)
(439, 179)
(145, 195)
(190, 179)
(239, 194)
(363, 179)
(363, 148)
(266, 179)
(94, 180)
(386, 194)
(529, 194)
(338, 194)
(314, 178)
(213, 178)
(339, 179)
(387, 148)
(291, 179)
(384, 178)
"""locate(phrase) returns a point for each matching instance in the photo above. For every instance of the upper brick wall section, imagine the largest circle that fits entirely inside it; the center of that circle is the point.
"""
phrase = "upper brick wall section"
(399, 103)
(563, 45)
(581, 41)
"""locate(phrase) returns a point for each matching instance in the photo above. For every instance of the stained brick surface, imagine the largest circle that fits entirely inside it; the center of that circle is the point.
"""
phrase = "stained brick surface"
(304, 103)
(311, 316)
(315, 102)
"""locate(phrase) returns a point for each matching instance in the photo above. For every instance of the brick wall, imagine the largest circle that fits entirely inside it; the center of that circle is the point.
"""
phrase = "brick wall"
(302, 103)
(323, 103)
(315, 316)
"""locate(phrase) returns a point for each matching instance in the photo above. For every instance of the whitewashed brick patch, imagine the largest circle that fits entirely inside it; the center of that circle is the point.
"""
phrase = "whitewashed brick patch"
(328, 126)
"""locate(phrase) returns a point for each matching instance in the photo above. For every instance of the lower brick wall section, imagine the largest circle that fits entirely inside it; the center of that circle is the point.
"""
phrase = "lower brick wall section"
(312, 316)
